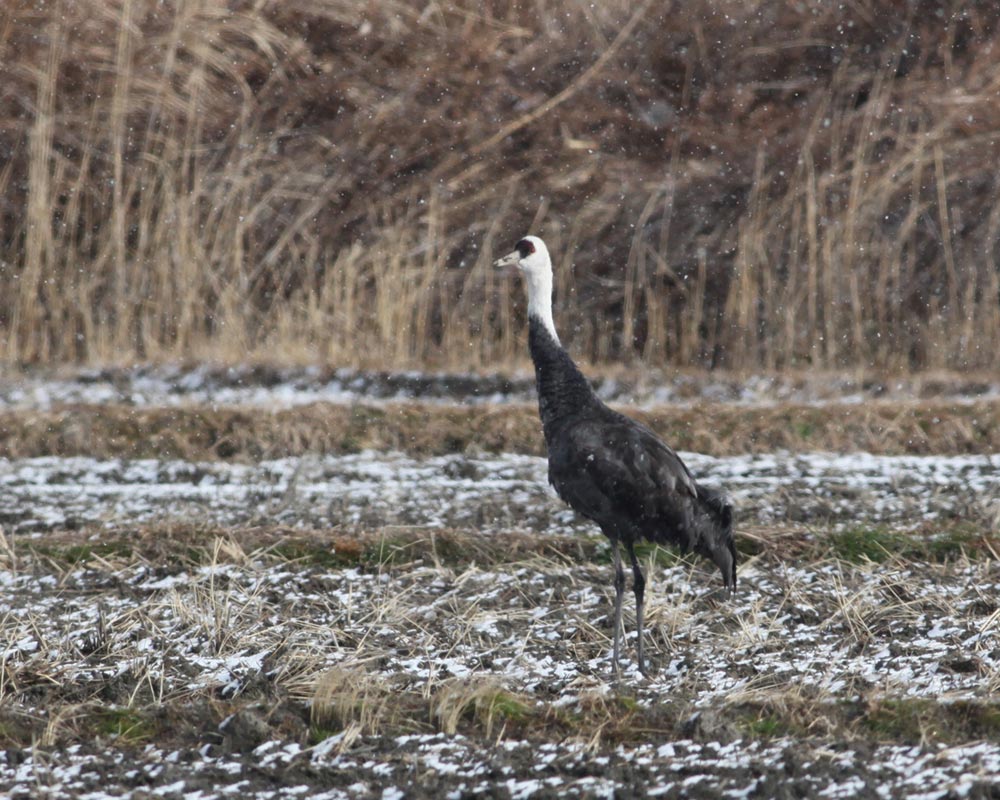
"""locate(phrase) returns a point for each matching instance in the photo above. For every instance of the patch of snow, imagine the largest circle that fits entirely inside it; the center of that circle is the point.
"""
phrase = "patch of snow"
(488, 493)
(175, 385)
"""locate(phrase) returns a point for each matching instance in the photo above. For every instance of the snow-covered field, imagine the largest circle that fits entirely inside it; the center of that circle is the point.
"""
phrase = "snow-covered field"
(236, 664)
(537, 629)
(452, 767)
(490, 493)
(286, 387)
(360, 644)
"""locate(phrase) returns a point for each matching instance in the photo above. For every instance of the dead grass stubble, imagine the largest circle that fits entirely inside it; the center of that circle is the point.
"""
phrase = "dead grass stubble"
(231, 665)
(243, 179)
(205, 434)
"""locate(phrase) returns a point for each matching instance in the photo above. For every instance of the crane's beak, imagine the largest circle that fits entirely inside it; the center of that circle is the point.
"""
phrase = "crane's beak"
(508, 263)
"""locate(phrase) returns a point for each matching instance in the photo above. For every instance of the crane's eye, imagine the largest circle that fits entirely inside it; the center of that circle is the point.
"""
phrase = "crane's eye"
(525, 248)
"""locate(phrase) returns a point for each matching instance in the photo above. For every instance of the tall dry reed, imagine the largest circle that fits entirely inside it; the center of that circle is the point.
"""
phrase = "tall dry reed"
(749, 185)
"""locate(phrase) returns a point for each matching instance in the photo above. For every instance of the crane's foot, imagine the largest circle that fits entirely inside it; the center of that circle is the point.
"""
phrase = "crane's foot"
(717, 594)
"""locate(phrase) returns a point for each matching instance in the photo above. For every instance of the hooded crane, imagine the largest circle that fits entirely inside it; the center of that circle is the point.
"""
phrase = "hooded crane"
(610, 468)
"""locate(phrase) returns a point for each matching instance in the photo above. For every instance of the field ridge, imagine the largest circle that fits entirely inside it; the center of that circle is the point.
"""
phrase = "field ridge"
(246, 434)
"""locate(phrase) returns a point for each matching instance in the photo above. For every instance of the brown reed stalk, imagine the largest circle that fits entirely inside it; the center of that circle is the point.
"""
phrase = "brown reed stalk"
(237, 180)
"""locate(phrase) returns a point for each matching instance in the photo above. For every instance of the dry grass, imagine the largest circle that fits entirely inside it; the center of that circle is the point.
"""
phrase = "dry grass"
(202, 433)
(759, 184)
(227, 606)
(194, 547)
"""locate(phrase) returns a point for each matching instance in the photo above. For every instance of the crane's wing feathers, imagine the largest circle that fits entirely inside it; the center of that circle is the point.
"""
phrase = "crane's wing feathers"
(616, 466)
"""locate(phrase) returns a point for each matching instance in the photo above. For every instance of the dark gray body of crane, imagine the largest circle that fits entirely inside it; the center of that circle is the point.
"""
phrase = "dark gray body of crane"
(618, 473)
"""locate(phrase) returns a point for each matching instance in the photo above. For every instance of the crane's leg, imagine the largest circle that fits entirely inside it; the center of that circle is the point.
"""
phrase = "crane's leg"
(639, 585)
(619, 590)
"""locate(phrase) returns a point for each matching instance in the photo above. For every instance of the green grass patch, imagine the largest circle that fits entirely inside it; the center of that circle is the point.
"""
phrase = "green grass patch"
(316, 554)
(804, 429)
(938, 544)
(765, 726)
(859, 544)
(646, 552)
(127, 725)
(962, 539)
(320, 733)
(903, 719)
(660, 556)
(389, 549)
(73, 555)
(926, 719)
(506, 706)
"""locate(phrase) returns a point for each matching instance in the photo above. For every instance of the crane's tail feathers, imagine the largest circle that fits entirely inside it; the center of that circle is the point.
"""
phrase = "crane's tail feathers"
(715, 533)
